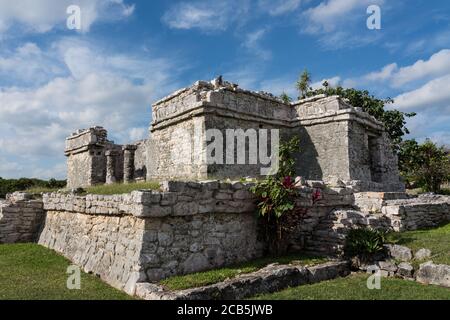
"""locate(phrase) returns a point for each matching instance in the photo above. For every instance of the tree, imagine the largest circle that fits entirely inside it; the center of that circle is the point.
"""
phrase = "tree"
(408, 161)
(303, 84)
(394, 120)
(285, 98)
(426, 164)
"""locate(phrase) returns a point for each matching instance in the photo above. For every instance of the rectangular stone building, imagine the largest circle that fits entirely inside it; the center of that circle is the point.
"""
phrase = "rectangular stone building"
(338, 141)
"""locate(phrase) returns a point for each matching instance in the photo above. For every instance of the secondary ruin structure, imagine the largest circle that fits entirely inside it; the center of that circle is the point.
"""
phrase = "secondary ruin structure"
(337, 140)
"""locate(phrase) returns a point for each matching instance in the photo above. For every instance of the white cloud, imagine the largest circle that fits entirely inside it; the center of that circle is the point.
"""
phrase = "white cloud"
(412, 75)
(328, 15)
(339, 24)
(136, 134)
(6, 166)
(279, 85)
(253, 45)
(208, 16)
(333, 82)
(434, 94)
(438, 64)
(44, 15)
(28, 65)
(384, 74)
(111, 90)
(279, 7)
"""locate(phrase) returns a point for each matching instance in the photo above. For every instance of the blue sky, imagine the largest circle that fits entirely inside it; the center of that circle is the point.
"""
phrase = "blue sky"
(129, 53)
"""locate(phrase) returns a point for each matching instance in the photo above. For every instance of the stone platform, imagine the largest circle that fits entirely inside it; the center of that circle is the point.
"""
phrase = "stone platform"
(186, 227)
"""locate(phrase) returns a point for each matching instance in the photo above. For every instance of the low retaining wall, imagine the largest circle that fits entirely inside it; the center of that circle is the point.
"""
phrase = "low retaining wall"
(147, 236)
(426, 211)
(187, 227)
(269, 279)
(20, 218)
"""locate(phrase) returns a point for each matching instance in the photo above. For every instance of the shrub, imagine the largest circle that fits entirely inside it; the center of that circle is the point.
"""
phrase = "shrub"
(424, 165)
(276, 196)
(364, 242)
(23, 184)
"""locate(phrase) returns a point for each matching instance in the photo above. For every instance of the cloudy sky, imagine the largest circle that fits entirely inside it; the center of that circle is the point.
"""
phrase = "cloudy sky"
(129, 53)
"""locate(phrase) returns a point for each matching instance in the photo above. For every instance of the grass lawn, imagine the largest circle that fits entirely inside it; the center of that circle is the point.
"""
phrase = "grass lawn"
(121, 188)
(354, 287)
(214, 276)
(39, 190)
(32, 272)
(110, 189)
(437, 240)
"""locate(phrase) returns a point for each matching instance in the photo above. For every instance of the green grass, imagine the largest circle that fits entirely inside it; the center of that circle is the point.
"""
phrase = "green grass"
(39, 190)
(445, 190)
(354, 287)
(437, 240)
(32, 272)
(121, 188)
(106, 189)
(204, 278)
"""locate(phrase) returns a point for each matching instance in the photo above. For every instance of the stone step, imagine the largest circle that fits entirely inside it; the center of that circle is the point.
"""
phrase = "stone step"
(267, 280)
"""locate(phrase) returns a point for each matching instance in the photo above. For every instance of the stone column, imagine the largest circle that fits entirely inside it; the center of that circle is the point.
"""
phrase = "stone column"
(128, 163)
(111, 157)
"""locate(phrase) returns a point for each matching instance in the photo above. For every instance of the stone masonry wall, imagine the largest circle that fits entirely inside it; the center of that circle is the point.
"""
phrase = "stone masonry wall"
(177, 151)
(334, 135)
(20, 218)
(186, 227)
(146, 236)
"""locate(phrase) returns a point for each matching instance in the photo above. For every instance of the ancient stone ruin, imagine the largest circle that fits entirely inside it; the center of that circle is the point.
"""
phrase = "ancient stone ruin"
(337, 140)
(191, 223)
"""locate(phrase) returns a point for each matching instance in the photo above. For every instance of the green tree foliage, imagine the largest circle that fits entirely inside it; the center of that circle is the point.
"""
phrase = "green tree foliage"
(393, 120)
(12, 185)
(285, 98)
(303, 84)
(424, 165)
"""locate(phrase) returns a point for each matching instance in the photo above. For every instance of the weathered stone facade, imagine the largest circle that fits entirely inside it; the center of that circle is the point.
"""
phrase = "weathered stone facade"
(146, 236)
(20, 218)
(89, 156)
(337, 140)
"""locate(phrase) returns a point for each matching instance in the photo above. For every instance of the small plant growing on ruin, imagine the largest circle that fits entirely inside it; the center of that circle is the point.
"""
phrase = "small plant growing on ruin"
(364, 243)
(277, 197)
(285, 98)
(303, 84)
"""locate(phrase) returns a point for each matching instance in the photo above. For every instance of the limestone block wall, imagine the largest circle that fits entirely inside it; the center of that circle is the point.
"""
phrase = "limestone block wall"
(140, 160)
(323, 150)
(250, 136)
(20, 218)
(146, 236)
(86, 157)
(337, 140)
(376, 211)
(179, 122)
(422, 212)
(178, 151)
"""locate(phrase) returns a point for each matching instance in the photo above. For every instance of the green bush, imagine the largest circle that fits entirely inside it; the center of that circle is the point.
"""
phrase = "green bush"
(364, 242)
(12, 185)
(276, 196)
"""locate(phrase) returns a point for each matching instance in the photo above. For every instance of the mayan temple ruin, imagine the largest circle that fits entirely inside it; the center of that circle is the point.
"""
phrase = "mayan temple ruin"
(203, 215)
(338, 141)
